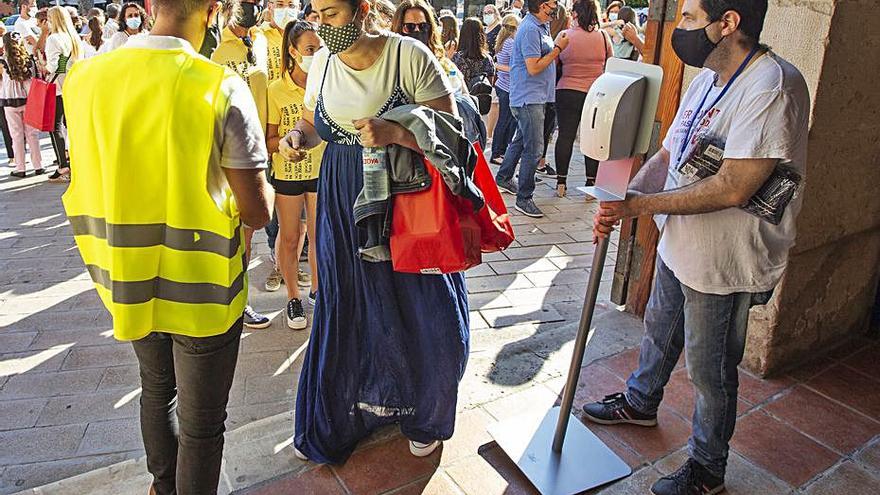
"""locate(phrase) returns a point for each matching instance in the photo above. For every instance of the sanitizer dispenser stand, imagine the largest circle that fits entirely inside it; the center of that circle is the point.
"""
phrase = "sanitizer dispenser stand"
(562, 457)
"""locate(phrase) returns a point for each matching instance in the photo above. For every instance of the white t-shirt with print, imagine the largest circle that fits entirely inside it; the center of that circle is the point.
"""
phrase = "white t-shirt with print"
(351, 94)
(765, 114)
(27, 27)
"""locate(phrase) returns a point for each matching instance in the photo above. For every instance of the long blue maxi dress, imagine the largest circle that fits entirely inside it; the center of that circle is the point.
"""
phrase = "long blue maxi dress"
(385, 347)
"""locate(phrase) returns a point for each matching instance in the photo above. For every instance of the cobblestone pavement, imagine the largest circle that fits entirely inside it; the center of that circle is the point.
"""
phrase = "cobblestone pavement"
(69, 391)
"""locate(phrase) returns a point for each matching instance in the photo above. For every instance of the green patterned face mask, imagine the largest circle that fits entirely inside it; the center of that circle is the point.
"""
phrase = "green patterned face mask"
(338, 39)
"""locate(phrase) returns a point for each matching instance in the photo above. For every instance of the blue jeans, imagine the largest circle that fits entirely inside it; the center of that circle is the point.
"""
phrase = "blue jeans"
(506, 125)
(528, 144)
(712, 330)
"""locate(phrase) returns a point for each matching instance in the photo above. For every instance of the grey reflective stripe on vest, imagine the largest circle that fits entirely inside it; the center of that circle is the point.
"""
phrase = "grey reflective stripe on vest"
(159, 288)
(155, 234)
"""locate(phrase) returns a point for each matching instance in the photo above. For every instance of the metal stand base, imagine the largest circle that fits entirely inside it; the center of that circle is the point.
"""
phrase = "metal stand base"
(537, 444)
(584, 463)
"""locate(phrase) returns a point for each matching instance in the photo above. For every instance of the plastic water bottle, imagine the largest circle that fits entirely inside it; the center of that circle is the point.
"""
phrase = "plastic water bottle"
(377, 182)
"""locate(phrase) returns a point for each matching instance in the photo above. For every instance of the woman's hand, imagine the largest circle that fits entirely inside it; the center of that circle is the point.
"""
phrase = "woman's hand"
(377, 133)
(292, 146)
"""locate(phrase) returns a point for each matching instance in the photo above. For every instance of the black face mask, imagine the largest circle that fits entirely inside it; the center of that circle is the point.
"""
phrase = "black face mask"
(692, 46)
(250, 15)
(419, 35)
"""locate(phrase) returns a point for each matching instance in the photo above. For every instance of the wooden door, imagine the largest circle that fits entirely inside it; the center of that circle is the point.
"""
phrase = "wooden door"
(637, 250)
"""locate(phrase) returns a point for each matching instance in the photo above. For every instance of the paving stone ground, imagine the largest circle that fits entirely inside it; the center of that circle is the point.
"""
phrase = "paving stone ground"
(69, 391)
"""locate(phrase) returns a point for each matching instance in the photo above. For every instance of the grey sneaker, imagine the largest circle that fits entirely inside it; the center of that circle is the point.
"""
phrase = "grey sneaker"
(274, 281)
(507, 186)
(529, 208)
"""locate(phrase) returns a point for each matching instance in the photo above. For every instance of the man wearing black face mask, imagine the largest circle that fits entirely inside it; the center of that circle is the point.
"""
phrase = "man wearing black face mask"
(740, 132)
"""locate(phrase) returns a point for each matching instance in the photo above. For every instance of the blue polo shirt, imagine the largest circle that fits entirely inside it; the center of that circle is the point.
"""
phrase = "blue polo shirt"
(532, 41)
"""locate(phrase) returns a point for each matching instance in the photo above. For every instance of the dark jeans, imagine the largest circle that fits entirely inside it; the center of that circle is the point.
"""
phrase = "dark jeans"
(570, 104)
(712, 330)
(57, 136)
(549, 125)
(185, 382)
(505, 127)
(525, 149)
(7, 137)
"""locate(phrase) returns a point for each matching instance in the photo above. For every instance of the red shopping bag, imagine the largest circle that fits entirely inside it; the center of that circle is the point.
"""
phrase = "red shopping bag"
(496, 231)
(39, 112)
(433, 231)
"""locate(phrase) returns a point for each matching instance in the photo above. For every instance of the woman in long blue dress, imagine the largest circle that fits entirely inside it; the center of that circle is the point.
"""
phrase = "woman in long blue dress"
(385, 347)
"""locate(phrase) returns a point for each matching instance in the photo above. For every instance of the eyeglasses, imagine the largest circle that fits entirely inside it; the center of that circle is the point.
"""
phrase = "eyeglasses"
(412, 27)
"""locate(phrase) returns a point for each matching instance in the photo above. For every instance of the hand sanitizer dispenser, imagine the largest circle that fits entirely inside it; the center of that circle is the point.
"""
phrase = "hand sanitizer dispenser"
(611, 116)
(617, 122)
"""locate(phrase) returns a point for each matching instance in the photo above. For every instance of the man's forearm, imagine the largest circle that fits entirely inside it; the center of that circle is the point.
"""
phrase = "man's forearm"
(704, 196)
(651, 178)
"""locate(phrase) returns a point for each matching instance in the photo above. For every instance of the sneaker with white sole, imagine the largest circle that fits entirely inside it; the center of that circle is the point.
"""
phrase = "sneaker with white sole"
(419, 449)
(252, 319)
(547, 171)
(299, 455)
(313, 298)
(303, 279)
(529, 208)
(615, 409)
(274, 281)
(296, 315)
(507, 186)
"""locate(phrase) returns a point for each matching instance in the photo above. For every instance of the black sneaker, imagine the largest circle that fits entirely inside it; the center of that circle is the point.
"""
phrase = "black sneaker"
(690, 479)
(507, 186)
(529, 208)
(313, 298)
(547, 171)
(252, 319)
(614, 409)
(296, 315)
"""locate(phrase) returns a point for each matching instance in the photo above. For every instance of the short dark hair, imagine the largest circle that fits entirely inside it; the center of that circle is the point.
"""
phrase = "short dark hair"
(112, 11)
(751, 13)
(535, 5)
(184, 8)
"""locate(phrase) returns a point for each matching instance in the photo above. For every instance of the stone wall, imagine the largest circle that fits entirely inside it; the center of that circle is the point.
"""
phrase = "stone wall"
(830, 285)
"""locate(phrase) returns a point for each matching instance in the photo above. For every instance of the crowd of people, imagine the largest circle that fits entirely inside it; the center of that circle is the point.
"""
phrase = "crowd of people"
(268, 107)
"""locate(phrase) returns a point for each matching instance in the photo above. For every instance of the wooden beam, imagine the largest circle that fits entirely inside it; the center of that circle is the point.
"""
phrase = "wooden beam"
(644, 250)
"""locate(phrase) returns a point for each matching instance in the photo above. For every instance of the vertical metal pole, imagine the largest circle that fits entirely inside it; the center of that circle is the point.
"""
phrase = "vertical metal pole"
(580, 345)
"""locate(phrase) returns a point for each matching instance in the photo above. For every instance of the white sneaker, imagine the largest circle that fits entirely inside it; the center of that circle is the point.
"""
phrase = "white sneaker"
(419, 449)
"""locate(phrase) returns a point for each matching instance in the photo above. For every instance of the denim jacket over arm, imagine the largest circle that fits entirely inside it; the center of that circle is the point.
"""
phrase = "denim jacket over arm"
(441, 138)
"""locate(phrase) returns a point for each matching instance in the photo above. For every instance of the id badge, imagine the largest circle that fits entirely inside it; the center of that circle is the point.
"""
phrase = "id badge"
(705, 160)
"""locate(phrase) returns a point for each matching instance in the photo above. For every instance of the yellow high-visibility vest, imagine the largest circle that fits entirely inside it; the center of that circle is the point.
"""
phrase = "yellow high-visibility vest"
(164, 254)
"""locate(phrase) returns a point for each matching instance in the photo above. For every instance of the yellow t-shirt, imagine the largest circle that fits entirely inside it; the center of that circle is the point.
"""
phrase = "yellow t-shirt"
(285, 110)
(274, 39)
(232, 53)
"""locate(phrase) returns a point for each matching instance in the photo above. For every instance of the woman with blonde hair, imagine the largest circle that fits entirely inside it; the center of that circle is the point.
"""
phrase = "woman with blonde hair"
(506, 125)
(63, 49)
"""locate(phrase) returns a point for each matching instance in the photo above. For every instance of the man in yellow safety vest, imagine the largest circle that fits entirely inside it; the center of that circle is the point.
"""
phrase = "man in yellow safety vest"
(167, 172)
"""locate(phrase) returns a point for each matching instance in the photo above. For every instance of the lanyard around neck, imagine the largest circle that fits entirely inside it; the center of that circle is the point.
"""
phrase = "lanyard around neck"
(698, 115)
